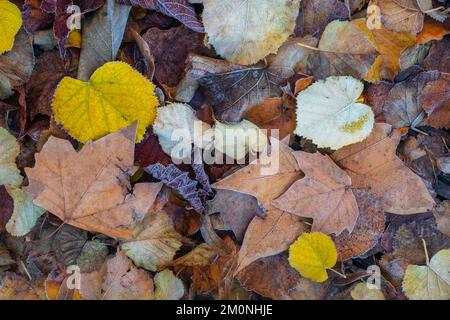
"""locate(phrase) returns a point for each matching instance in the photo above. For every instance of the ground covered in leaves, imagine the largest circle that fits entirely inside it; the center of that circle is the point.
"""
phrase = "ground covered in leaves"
(333, 117)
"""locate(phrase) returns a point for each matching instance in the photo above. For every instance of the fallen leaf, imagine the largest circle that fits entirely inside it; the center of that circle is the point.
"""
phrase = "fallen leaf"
(34, 18)
(14, 287)
(437, 57)
(181, 10)
(376, 95)
(324, 194)
(154, 244)
(434, 98)
(430, 282)
(10, 23)
(262, 238)
(314, 16)
(201, 256)
(6, 207)
(16, 65)
(170, 48)
(99, 199)
(237, 140)
(402, 107)
(118, 280)
(329, 114)
(44, 80)
(115, 96)
(263, 27)
(234, 211)
(432, 30)
(233, 93)
(274, 114)
(107, 24)
(404, 16)
(168, 286)
(9, 150)
(178, 180)
(362, 292)
(312, 254)
(25, 213)
(271, 277)
(368, 229)
(5, 257)
(373, 164)
(442, 216)
(413, 56)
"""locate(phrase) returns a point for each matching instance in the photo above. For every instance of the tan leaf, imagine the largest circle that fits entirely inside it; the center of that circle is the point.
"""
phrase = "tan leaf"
(402, 15)
(117, 280)
(374, 164)
(368, 229)
(435, 100)
(14, 287)
(274, 233)
(155, 242)
(90, 189)
(168, 286)
(324, 194)
(442, 216)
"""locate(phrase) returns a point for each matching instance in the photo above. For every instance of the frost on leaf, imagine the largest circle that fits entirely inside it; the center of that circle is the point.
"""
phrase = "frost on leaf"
(328, 113)
(246, 31)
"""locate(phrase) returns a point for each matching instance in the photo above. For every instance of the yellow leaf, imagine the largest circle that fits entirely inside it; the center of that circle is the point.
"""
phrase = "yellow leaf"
(74, 39)
(362, 292)
(312, 254)
(114, 97)
(430, 282)
(10, 23)
(390, 45)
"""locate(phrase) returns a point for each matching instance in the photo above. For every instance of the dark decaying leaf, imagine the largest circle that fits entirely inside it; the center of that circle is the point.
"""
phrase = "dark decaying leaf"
(16, 65)
(101, 37)
(6, 207)
(402, 107)
(178, 180)
(34, 18)
(435, 100)
(68, 244)
(170, 49)
(438, 56)
(231, 210)
(200, 174)
(233, 93)
(44, 80)
(315, 15)
(181, 10)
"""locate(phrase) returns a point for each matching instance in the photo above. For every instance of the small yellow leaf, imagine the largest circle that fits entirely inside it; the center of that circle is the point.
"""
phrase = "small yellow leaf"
(115, 96)
(362, 292)
(10, 23)
(74, 39)
(312, 254)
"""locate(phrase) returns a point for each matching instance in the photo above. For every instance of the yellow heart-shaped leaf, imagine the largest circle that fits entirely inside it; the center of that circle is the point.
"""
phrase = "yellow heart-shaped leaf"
(312, 254)
(10, 23)
(115, 96)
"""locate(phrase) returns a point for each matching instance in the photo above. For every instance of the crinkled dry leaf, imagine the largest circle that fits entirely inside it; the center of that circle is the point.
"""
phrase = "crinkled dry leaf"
(245, 32)
(430, 282)
(403, 16)
(374, 164)
(115, 96)
(155, 242)
(90, 189)
(324, 194)
(327, 113)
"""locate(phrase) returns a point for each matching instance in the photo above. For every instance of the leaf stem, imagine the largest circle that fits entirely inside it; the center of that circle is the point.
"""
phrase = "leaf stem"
(426, 251)
(338, 273)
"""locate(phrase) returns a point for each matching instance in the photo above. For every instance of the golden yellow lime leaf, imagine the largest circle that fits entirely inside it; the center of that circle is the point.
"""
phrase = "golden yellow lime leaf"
(10, 23)
(312, 254)
(115, 96)
(74, 39)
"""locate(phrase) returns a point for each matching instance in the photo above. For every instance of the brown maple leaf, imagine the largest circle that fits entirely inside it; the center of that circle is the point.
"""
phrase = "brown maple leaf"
(324, 194)
(273, 234)
(90, 189)
(374, 164)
